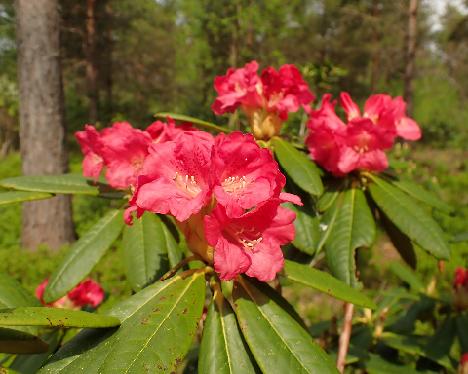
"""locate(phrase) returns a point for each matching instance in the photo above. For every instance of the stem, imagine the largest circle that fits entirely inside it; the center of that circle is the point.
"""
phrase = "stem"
(345, 336)
(181, 264)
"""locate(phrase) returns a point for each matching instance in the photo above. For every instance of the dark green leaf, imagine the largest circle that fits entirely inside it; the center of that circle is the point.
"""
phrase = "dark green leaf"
(307, 230)
(407, 275)
(377, 365)
(439, 345)
(12, 197)
(278, 343)
(145, 250)
(409, 217)
(14, 341)
(423, 195)
(400, 241)
(83, 255)
(299, 167)
(158, 327)
(12, 294)
(222, 349)
(198, 122)
(324, 282)
(54, 317)
(462, 331)
(63, 184)
(353, 228)
(326, 200)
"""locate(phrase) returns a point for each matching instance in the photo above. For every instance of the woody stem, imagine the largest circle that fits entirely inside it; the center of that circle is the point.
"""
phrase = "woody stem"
(181, 264)
(345, 337)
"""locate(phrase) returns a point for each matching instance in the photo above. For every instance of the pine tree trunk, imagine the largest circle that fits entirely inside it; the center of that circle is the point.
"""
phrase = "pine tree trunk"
(410, 53)
(91, 66)
(42, 131)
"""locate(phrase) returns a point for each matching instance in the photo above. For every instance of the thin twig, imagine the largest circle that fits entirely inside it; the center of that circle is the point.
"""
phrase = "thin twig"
(345, 336)
(181, 264)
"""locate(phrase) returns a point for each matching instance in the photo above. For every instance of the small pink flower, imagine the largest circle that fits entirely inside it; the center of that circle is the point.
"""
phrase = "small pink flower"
(250, 243)
(245, 174)
(89, 140)
(238, 87)
(175, 178)
(85, 293)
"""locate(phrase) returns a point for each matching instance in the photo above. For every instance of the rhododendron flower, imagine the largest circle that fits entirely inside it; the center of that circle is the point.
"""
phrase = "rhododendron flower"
(461, 278)
(175, 178)
(250, 243)
(460, 286)
(246, 174)
(266, 100)
(464, 362)
(386, 112)
(120, 148)
(86, 293)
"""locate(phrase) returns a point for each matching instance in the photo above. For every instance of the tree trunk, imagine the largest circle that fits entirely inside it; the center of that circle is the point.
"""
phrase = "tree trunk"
(410, 54)
(91, 65)
(42, 132)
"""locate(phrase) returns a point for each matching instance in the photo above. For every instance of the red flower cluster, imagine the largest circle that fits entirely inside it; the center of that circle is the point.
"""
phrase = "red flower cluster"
(266, 99)
(85, 293)
(224, 191)
(360, 143)
(461, 278)
(460, 287)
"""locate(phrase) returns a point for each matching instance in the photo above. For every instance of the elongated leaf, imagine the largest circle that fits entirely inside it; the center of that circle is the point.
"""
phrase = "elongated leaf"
(410, 218)
(423, 195)
(83, 255)
(54, 317)
(307, 232)
(401, 242)
(12, 294)
(327, 221)
(326, 200)
(198, 122)
(145, 250)
(324, 282)
(278, 343)
(299, 167)
(32, 363)
(65, 184)
(222, 349)
(354, 227)
(377, 365)
(14, 341)
(12, 197)
(462, 331)
(158, 326)
(407, 275)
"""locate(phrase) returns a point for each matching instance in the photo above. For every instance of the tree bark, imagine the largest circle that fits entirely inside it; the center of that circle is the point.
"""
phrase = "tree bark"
(42, 130)
(91, 65)
(410, 53)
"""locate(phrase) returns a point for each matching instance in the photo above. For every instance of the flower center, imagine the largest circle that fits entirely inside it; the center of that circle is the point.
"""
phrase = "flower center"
(187, 183)
(234, 184)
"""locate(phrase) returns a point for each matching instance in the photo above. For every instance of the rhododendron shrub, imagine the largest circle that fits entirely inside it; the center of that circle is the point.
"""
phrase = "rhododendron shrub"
(226, 218)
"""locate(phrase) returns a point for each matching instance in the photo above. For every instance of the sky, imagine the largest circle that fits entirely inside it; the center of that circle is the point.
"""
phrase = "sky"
(439, 7)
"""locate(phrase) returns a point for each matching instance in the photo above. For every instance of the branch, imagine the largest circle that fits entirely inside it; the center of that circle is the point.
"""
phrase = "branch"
(345, 336)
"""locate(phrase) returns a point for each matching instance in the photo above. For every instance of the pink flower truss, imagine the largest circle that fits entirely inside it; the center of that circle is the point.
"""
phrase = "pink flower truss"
(360, 143)
(85, 293)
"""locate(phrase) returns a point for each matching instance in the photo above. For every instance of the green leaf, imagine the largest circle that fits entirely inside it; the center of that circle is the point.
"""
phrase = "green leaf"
(326, 200)
(13, 295)
(307, 230)
(158, 327)
(12, 197)
(409, 217)
(14, 341)
(222, 349)
(400, 241)
(198, 122)
(278, 343)
(83, 255)
(63, 184)
(439, 345)
(407, 275)
(324, 282)
(354, 227)
(54, 317)
(423, 195)
(299, 167)
(32, 363)
(462, 331)
(145, 250)
(377, 365)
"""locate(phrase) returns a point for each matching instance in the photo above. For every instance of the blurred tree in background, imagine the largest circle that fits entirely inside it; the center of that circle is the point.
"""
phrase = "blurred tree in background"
(127, 59)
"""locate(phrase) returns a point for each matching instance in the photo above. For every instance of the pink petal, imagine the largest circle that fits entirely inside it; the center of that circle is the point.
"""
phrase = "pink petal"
(230, 260)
